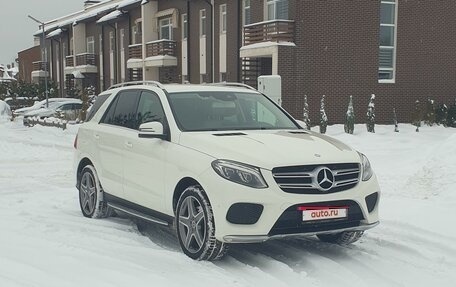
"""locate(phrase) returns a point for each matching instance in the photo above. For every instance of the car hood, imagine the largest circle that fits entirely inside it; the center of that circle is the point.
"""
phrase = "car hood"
(269, 149)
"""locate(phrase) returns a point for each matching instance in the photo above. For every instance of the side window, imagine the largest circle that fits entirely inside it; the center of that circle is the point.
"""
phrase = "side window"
(149, 109)
(66, 107)
(122, 110)
(96, 106)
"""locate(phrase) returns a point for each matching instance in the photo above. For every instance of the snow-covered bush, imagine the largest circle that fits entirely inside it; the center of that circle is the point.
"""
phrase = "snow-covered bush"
(5, 111)
(305, 114)
(396, 128)
(371, 115)
(350, 118)
(441, 114)
(323, 116)
(451, 118)
(417, 116)
(429, 113)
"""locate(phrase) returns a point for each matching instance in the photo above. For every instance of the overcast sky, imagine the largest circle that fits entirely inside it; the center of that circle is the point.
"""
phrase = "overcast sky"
(16, 30)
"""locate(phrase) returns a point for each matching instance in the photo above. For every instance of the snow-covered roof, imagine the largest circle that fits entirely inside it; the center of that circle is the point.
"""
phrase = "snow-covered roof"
(109, 17)
(126, 3)
(55, 33)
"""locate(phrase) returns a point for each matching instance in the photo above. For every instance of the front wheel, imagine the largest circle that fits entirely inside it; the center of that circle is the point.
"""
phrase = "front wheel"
(196, 228)
(343, 238)
(91, 195)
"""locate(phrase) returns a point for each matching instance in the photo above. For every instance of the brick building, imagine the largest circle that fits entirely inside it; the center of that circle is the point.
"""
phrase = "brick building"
(399, 50)
(26, 61)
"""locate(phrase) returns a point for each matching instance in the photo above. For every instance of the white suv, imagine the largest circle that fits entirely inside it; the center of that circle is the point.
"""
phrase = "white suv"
(221, 164)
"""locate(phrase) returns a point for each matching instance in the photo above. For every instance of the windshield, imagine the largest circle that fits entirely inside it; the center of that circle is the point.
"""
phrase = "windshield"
(221, 111)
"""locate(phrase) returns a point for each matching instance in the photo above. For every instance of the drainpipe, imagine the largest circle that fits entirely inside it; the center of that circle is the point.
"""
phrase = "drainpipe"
(211, 3)
(239, 27)
(102, 58)
(188, 41)
(114, 66)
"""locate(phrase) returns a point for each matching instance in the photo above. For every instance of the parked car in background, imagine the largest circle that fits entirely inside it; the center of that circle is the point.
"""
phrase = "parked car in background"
(39, 105)
(68, 110)
(19, 102)
(221, 165)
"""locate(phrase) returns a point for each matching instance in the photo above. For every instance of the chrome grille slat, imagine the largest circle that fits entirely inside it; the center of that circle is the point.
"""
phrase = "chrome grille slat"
(303, 179)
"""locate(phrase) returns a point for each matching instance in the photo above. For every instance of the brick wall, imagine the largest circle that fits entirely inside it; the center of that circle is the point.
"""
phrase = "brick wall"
(337, 55)
(26, 59)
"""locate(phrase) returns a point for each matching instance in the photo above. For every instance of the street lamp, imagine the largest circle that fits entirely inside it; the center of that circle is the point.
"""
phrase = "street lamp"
(45, 59)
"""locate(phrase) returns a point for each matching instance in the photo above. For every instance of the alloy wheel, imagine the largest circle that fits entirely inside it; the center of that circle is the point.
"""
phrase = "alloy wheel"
(87, 193)
(192, 224)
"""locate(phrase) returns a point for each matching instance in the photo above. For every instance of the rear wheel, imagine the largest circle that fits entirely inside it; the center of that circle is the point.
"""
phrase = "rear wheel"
(91, 195)
(196, 228)
(344, 238)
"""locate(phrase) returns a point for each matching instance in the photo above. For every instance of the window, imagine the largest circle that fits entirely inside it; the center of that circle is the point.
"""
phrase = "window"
(222, 77)
(223, 18)
(91, 45)
(136, 32)
(277, 9)
(203, 23)
(149, 109)
(112, 42)
(71, 45)
(184, 26)
(247, 19)
(387, 49)
(166, 29)
(122, 39)
(223, 111)
(96, 106)
(101, 44)
(122, 111)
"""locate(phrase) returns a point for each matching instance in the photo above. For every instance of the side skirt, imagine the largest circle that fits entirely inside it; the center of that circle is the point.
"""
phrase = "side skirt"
(138, 210)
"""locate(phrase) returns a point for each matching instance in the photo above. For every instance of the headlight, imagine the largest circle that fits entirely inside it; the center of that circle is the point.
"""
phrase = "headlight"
(367, 169)
(239, 173)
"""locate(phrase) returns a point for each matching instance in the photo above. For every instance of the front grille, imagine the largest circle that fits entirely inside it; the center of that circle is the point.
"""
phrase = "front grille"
(303, 179)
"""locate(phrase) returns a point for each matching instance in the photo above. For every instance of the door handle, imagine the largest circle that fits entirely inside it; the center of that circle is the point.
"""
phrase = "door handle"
(97, 137)
(129, 145)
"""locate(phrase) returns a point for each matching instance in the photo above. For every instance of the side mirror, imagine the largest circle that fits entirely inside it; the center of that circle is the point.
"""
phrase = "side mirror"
(151, 130)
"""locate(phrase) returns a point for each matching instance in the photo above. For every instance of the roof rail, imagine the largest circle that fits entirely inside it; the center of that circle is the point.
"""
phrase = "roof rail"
(137, 83)
(232, 84)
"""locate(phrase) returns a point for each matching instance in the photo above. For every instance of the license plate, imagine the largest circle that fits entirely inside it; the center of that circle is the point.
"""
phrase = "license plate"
(323, 213)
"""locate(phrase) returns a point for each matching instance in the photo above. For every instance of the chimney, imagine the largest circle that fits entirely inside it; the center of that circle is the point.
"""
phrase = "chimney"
(89, 3)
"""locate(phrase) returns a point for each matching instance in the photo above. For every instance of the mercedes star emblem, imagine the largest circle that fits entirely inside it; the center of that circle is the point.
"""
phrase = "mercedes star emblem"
(325, 179)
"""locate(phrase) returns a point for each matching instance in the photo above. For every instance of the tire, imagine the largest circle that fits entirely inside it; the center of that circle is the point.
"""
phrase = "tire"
(91, 195)
(196, 228)
(344, 238)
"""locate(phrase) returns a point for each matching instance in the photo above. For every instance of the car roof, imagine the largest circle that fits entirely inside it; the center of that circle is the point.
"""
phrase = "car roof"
(179, 88)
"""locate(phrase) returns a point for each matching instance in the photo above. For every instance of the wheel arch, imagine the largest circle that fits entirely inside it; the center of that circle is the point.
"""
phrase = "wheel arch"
(180, 188)
(83, 163)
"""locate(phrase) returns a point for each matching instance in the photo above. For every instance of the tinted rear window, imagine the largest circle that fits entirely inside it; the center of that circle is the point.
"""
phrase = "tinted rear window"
(96, 106)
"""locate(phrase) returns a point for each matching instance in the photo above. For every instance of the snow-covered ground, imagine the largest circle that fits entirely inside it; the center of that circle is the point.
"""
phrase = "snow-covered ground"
(45, 241)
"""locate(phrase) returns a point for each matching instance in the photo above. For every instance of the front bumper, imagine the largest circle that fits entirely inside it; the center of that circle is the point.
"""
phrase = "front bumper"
(262, 238)
(280, 207)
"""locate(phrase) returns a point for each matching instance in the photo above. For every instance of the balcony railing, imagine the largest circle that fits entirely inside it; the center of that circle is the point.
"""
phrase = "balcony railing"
(135, 51)
(161, 48)
(40, 66)
(69, 61)
(86, 59)
(272, 31)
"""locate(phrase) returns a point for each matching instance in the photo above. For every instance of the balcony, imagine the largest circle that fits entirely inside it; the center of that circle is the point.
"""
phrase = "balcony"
(269, 31)
(69, 61)
(135, 51)
(161, 48)
(86, 59)
(40, 66)
(161, 53)
(84, 63)
(39, 69)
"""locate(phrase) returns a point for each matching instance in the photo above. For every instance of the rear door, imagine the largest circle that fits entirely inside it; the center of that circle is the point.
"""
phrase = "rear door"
(144, 158)
(118, 119)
